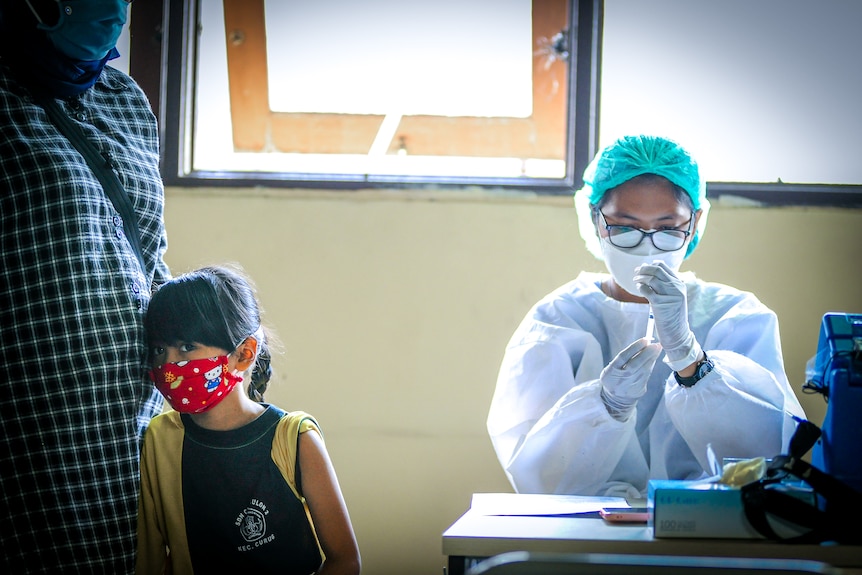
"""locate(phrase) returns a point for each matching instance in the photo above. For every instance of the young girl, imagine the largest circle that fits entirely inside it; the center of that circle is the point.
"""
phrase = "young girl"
(229, 483)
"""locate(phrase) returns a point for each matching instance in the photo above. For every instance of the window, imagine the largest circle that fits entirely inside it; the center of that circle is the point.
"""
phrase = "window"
(386, 93)
(764, 92)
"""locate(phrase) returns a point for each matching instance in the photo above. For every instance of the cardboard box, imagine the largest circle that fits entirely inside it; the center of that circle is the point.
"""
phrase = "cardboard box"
(699, 509)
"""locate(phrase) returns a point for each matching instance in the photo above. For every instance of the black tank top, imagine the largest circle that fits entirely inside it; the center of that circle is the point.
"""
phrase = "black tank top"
(241, 515)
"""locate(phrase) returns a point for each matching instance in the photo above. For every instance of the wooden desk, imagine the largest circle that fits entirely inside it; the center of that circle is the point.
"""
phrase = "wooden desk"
(475, 536)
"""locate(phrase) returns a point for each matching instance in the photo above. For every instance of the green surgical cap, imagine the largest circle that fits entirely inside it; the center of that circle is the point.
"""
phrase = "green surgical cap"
(632, 156)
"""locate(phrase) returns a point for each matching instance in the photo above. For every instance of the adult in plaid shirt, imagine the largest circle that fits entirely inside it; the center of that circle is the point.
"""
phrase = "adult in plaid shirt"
(76, 398)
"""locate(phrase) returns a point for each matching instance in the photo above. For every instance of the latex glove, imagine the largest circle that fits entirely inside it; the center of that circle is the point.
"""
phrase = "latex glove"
(667, 297)
(743, 472)
(624, 379)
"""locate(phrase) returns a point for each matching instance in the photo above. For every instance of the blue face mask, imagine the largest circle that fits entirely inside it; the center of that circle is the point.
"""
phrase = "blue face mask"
(86, 30)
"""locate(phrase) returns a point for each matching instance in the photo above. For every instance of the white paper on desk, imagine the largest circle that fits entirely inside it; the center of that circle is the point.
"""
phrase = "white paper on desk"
(539, 504)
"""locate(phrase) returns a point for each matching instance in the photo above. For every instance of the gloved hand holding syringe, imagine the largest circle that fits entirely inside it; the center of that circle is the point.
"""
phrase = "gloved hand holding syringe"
(667, 295)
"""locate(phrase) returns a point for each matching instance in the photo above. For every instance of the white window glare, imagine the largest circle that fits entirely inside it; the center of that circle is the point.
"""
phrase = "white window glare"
(758, 90)
(445, 58)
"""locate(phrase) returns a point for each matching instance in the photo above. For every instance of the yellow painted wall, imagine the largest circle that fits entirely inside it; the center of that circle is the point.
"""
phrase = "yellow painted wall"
(394, 309)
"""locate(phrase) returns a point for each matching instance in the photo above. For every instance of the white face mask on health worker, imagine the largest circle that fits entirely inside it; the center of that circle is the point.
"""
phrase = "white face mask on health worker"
(622, 263)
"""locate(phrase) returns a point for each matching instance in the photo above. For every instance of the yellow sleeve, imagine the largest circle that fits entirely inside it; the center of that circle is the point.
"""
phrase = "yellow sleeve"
(286, 442)
(161, 517)
(285, 448)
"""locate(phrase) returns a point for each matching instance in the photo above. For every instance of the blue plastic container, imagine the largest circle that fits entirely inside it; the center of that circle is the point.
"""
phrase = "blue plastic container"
(838, 363)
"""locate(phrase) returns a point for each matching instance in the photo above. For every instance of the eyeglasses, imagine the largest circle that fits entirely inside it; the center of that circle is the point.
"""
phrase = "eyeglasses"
(627, 237)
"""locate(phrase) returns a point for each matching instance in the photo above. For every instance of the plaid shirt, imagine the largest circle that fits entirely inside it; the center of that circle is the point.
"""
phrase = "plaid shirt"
(72, 297)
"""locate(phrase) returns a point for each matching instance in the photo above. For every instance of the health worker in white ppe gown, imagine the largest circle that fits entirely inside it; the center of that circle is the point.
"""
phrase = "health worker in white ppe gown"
(584, 403)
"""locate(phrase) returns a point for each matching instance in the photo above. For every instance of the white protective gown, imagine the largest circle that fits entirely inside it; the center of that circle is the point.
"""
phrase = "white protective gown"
(553, 434)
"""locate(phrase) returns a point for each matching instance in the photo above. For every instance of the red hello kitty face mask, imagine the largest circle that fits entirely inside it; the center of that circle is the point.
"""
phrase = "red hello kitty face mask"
(195, 385)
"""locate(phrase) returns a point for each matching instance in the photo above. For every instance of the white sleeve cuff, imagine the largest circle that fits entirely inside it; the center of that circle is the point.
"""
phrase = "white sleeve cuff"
(686, 360)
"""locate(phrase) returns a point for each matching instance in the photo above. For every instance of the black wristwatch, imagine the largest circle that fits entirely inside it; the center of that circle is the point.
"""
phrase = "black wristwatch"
(703, 367)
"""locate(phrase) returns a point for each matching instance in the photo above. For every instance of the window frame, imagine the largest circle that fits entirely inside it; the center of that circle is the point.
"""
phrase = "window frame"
(175, 98)
(787, 194)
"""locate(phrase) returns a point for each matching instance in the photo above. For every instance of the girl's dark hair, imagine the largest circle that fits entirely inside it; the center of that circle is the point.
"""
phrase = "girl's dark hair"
(214, 306)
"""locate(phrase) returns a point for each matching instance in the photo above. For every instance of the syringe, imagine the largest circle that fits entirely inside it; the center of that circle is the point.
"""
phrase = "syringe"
(650, 327)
